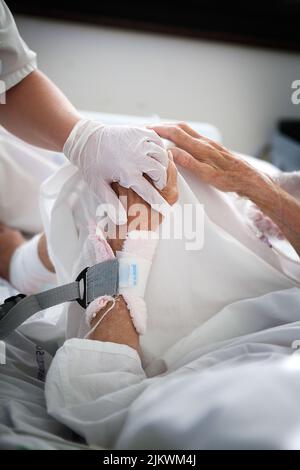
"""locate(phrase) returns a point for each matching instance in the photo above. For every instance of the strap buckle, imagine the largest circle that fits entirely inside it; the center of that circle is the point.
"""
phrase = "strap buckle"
(9, 303)
(14, 299)
(81, 279)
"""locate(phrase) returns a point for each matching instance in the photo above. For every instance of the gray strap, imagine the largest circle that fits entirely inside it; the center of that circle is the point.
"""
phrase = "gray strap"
(100, 279)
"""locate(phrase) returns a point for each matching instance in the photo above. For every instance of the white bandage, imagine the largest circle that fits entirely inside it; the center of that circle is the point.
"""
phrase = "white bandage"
(27, 272)
(133, 274)
(135, 262)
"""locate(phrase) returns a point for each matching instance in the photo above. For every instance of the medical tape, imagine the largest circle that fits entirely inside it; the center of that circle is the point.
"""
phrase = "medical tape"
(133, 274)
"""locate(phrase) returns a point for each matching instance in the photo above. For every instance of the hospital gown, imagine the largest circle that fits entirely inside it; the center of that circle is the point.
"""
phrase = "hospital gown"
(239, 393)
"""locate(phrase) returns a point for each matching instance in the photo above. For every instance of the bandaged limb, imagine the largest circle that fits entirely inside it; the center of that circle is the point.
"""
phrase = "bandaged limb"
(94, 280)
(93, 382)
(26, 264)
(30, 268)
(134, 245)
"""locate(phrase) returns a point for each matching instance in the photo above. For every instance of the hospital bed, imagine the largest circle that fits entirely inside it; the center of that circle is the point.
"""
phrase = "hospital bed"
(26, 424)
(22, 431)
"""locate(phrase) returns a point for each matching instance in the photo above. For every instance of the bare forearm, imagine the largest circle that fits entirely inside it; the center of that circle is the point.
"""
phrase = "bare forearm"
(116, 326)
(38, 112)
(281, 207)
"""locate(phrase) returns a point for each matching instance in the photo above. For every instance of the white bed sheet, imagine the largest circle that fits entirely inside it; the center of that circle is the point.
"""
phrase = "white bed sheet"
(239, 387)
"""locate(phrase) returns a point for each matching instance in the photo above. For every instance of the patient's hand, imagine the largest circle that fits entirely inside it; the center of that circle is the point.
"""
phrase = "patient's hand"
(140, 215)
(117, 326)
(216, 165)
(209, 161)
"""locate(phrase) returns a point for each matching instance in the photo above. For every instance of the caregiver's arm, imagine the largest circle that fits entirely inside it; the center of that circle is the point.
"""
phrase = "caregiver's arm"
(215, 165)
(38, 112)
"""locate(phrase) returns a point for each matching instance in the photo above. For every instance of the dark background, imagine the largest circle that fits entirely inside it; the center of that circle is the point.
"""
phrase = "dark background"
(273, 24)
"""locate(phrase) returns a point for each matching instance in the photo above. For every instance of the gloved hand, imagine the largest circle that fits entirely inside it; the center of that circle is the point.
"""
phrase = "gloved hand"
(107, 154)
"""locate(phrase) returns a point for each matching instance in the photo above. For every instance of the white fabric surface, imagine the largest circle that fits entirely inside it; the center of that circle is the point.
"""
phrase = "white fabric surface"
(232, 265)
(17, 60)
(24, 422)
(232, 288)
(237, 393)
(229, 382)
(6, 290)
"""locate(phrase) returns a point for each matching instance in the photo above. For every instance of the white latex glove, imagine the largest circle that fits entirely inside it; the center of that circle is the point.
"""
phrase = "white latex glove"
(107, 154)
(290, 182)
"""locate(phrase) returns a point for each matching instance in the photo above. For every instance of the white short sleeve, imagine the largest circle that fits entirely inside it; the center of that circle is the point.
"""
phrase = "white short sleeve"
(16, 59)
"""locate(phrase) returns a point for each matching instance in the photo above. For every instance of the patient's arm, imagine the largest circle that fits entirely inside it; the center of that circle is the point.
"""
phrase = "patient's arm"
(44, 254)
(214, 164)
(93, 396)
(282, 208)
(117, 326)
